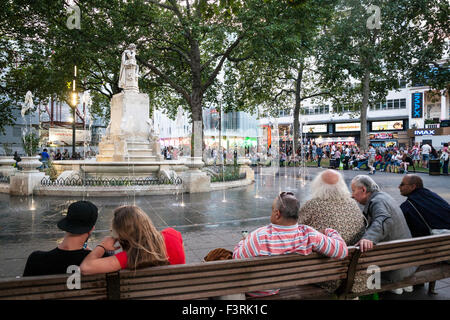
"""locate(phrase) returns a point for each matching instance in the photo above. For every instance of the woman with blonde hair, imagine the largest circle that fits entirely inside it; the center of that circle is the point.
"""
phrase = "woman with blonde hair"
(142, 245)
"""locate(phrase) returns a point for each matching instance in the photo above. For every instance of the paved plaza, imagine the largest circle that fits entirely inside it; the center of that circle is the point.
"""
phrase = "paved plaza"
(206, 221)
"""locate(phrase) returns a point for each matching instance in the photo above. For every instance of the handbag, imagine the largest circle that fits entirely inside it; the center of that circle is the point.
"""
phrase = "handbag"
(432, 231)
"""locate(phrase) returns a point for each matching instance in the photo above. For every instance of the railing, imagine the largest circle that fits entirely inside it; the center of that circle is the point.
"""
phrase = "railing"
(231, 173)
(109, 182)
(4, 179)
(431, 125)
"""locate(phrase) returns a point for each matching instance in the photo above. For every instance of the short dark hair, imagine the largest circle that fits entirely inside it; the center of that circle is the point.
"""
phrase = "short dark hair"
(415, 179)
(288, 205)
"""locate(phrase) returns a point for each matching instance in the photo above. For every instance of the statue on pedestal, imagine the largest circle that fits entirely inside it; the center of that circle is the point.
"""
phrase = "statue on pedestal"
(129, 70)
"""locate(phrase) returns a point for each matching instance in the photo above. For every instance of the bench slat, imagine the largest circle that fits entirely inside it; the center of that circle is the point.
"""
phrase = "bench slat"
(227, 264)
(239, 272)
(50, 288)
(413, 252)
(44, 280)
(260, 276)
(418, 260)
(59, 294)
(412, 247)
(219, 290)
(283, 280)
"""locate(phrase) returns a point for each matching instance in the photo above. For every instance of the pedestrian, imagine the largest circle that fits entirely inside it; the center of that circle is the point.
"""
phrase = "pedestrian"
(386, 223)
(331, 206)
(319, 152)
(142, 245)
(445, 159)
(294, 238)
(78, 225)
(426, 149)
(423, 209)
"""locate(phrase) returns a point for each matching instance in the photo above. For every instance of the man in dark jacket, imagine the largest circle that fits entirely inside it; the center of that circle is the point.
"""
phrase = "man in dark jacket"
(432, 208)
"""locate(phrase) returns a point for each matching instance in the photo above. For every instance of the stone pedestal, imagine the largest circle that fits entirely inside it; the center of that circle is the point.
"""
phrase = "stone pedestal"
(195, 180)
(6, 166)
(244, 167)
(128, 137)
(23, 183)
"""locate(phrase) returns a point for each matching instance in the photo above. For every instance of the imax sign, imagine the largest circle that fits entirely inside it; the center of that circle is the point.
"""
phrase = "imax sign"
(424, 132)
(417, 105)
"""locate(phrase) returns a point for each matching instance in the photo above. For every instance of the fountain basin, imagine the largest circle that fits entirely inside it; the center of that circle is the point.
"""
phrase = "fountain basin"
(93, 169)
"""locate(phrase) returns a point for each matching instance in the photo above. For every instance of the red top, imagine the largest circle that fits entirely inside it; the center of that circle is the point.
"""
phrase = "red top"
(174, 247)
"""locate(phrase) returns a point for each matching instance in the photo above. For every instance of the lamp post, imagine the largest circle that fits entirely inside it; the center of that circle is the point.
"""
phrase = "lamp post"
(73, 104)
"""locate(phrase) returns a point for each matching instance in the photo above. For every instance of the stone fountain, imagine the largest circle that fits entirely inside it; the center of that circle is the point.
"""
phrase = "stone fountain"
(130, 149)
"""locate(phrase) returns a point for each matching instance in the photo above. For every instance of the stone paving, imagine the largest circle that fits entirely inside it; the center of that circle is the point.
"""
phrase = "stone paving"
(206, 221)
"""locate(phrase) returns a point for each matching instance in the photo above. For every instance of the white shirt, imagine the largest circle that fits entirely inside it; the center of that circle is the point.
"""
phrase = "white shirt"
(426, 149)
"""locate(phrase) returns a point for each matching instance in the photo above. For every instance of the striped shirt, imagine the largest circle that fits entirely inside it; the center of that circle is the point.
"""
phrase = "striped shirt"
(276, 240)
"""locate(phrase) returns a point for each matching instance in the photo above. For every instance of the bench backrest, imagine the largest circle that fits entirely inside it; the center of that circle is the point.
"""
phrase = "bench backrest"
(399, 254)
(53, 287)
(209, 279)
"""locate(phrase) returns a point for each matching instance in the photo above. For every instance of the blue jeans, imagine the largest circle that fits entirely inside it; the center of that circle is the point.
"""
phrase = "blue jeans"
(387, 164)
(361, 163)
(378, 163)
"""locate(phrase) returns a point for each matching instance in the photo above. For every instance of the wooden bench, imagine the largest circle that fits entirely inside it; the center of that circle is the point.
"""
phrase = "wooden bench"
(294, 274)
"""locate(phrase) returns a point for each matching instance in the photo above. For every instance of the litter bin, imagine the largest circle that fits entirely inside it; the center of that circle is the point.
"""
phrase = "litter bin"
(332, 163)
(434, 167)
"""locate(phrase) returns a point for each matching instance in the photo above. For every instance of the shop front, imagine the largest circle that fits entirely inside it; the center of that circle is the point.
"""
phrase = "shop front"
(436, 137)
(388, 133)
(384, 139)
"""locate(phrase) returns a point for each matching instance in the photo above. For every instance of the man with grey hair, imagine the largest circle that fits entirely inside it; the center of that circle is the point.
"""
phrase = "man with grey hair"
(386, 222)
(284, 235)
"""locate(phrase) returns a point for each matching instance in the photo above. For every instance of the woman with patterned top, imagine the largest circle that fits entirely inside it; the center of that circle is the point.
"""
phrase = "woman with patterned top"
(331, 206)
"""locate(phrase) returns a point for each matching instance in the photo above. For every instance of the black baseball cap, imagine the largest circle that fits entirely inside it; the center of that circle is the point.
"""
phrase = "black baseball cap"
(81, 217)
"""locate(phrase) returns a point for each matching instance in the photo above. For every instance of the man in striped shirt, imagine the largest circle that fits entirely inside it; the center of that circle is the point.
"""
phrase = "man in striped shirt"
(284, 235)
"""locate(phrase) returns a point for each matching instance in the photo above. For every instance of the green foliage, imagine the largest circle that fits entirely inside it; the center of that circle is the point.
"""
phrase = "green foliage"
(30, 143)
(51, 171)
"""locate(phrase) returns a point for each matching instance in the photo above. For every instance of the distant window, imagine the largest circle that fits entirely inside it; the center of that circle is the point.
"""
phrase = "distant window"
(390, 104)
(396, 104)
(17, 132)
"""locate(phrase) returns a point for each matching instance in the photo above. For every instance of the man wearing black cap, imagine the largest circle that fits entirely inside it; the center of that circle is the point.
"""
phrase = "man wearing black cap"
(78, 224)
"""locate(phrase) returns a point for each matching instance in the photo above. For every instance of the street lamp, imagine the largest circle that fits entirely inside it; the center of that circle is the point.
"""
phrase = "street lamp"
(73, 102)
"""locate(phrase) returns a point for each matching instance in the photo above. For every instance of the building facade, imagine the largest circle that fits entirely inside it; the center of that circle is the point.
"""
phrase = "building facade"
(389, 123)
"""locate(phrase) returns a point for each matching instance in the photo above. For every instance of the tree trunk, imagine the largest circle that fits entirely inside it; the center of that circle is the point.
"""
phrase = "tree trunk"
(365, 102)
(197, 115)
(196, 98)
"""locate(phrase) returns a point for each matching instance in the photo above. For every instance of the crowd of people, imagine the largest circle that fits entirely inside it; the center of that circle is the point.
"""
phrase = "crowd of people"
(390, 159)
(327, 224)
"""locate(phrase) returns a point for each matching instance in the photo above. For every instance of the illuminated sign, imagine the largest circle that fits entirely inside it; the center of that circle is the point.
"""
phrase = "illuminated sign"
(315, 128)
(64, 136)
(387, 125)
(424, 132)
(417, 105)
(344, 127)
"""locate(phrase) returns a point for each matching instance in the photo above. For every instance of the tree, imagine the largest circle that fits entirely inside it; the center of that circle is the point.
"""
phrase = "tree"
(369, 57)
(182, 46)
(282, 74)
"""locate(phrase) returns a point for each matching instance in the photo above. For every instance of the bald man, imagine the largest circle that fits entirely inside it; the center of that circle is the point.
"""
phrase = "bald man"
(423, 204)
(331, 206)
